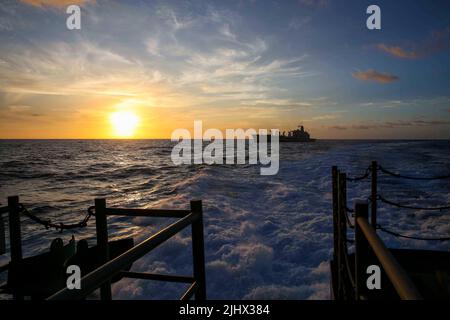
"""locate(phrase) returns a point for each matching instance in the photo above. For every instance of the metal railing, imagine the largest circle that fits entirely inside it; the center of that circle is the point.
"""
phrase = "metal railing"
(101, 277)
(348, 283)
(366, 240)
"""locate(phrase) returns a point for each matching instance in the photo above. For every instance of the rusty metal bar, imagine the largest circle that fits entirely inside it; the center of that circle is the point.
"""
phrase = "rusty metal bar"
(396, 274)
(161, 213)
(190, 292)
(105, 272)
(157, 277)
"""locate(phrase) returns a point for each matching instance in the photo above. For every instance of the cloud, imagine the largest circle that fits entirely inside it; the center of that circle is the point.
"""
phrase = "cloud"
(437, 42)
(393, 124)
(217, 62)
(373, 75)
(194, 60)
(399, 52)
(19, 108)
(326, 117)
(338, 127)
(56, 3)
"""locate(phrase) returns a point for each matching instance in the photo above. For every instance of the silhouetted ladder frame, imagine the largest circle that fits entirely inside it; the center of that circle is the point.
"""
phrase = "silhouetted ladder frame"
(348, 284)
(101, 277)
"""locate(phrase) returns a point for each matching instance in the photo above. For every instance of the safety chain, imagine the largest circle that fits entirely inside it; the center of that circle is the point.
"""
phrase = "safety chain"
(58, 226)
(364, 176)
(397, 175)
(396, 234)
(404, 206)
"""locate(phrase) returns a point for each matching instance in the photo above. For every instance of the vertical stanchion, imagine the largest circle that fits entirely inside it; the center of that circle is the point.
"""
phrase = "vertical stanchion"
(342, 225)
(334, 175)
(102, 243)
(15, 236)
(361, 250)
(373, 198)
(2, 236)
(335, 194)
(198, 251)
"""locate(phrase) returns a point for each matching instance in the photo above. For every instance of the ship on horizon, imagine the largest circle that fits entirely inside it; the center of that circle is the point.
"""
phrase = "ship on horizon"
(297, 135)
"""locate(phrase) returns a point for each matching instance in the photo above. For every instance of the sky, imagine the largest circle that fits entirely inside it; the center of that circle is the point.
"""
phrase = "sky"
(231, 64)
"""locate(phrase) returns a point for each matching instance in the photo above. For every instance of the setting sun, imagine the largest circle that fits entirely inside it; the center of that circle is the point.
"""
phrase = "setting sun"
(124, 123)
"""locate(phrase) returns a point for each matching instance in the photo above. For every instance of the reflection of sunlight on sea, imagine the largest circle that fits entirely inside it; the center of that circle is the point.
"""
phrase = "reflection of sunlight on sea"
(266, 237)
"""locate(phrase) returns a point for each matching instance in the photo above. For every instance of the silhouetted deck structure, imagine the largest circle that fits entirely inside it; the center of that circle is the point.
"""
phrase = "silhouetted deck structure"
(112, 266)
(405, 274)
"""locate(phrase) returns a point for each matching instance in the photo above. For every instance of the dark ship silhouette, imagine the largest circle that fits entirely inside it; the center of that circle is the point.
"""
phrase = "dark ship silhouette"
(297, 135)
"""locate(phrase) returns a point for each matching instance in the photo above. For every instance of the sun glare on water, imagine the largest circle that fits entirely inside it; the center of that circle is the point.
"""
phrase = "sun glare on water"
(124, 123)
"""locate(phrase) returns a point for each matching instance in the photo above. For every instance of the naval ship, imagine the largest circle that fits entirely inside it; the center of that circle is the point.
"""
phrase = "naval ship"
(297, 135)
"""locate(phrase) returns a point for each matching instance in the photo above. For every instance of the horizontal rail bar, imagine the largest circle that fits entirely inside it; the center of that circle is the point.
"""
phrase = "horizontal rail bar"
(398, 276)
(161, 213)
(4, 210)
(157, 277)
(96, 278)
(189, 292)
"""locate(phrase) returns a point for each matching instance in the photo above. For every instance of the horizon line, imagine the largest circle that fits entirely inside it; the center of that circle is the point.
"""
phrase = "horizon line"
(317, 139)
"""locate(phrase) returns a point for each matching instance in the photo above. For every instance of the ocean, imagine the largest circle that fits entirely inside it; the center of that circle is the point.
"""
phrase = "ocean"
(266, 237)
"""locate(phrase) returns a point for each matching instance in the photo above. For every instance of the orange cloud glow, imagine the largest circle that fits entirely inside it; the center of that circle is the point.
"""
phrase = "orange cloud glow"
(373, 75)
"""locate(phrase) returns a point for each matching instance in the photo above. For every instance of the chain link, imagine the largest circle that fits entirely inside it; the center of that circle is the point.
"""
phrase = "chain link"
(364, 176)
(58, 226)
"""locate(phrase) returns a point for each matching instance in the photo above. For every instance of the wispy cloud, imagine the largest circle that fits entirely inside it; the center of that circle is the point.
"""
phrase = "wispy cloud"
(175, 65)
(399, 52)
(373, 75)
(438, 41)
(392, 124)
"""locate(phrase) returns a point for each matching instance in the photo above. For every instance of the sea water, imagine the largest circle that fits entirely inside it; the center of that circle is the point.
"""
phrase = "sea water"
(265, 236)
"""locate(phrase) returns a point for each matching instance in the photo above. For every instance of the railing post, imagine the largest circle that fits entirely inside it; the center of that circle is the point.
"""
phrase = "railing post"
(198, 250)
(361, 250)
(101, 225)
(15, 235)
(334, 175)
(342, 235)
(373, 198)
(2, 235)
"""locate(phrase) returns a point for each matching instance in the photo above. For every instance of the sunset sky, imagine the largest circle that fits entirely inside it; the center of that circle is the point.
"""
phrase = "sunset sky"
(233, 64)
